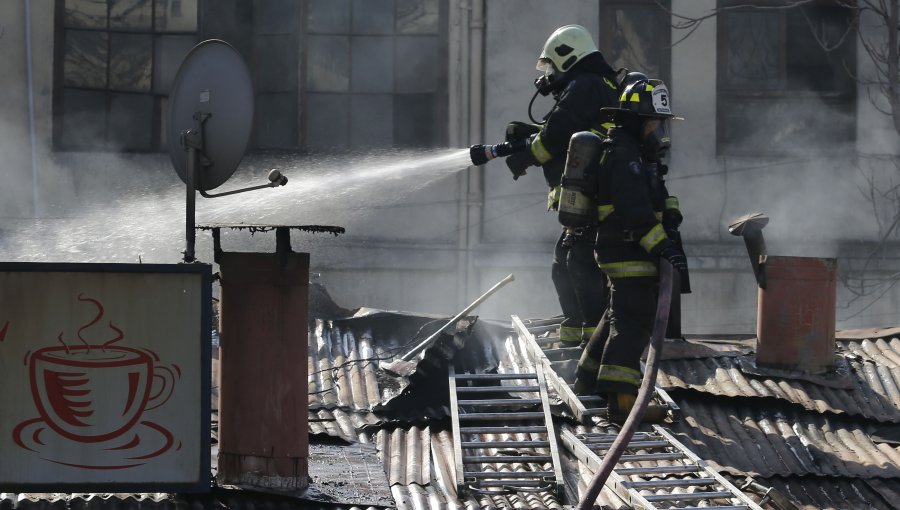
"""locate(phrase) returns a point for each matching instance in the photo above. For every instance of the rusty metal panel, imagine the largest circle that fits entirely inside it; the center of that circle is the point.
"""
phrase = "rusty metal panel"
(796, 314)
(105, 377)
(263, 363)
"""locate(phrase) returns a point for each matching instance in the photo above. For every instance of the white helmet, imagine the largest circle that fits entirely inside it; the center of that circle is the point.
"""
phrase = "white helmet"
(565, 46)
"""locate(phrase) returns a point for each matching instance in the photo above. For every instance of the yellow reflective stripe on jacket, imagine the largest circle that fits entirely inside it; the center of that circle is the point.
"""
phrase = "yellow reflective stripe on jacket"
(540, 153)
(603, 211)
(629, 269)
(570, 335)
(672, 203)
(656, 235)
(605, 131)
(553, 198)
(610, 83)
(616, 373)
(588, 332)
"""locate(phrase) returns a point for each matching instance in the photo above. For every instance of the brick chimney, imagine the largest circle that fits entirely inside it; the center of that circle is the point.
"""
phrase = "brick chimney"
(263, 405)
(796, 314)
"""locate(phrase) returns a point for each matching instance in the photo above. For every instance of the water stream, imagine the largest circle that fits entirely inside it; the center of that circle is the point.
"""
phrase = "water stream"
(147, 224)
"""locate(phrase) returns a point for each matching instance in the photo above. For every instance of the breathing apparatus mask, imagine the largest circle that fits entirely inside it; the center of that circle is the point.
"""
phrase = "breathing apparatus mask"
(655, 141)
(550, 81)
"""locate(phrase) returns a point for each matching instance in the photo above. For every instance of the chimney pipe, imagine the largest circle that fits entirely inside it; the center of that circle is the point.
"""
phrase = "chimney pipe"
(750, 228)
(795, 318)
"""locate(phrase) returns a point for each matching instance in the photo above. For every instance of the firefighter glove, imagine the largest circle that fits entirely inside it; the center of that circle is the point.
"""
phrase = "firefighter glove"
(520, 161)
(671, 219)
(516, 131)
(675, 257)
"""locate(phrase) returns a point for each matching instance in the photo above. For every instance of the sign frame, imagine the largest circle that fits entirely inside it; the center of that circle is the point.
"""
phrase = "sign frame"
(204, 476)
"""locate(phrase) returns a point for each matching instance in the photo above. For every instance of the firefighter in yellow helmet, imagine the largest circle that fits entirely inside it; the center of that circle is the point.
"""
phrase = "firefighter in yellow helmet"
(583, 83)
(630, 243)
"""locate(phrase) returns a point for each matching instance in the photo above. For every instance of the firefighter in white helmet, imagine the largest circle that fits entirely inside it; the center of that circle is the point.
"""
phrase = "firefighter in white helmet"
(582, 82)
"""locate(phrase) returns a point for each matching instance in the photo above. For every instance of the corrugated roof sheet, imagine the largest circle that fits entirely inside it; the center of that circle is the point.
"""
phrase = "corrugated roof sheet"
(820, 493)
(875, 375)
(231, 499)
(742, 437)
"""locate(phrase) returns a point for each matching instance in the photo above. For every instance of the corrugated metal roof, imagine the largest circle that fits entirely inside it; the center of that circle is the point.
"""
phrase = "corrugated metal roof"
(421, 470)
(822, 493)
(742, 437)
(875, 375)
(231, 499)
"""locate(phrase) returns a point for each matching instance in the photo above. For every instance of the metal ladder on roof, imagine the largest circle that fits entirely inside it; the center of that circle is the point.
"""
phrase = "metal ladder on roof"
(522, 455)
(541, 339)
(658, 472)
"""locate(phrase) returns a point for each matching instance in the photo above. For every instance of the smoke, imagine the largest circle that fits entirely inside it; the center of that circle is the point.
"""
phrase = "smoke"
(127, 211)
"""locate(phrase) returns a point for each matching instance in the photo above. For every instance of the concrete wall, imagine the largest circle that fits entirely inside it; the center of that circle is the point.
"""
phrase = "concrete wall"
(24, 113)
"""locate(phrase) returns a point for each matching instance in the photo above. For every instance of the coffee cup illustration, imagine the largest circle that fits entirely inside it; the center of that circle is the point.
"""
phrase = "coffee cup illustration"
(93, 393)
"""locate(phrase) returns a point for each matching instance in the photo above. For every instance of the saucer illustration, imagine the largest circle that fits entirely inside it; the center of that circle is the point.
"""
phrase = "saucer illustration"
(144, 442)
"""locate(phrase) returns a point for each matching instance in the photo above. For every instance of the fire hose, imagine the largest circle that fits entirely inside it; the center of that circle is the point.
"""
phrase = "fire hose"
(667, 279)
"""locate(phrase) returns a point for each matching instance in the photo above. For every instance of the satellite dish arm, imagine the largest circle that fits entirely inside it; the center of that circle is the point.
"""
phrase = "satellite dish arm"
(275, 180)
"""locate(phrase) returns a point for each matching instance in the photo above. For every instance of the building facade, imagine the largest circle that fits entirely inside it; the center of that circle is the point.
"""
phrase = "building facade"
(778, 119)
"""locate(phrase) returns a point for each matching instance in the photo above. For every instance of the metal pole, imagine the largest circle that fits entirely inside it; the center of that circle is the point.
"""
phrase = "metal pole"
(190, 212)
(428, 341)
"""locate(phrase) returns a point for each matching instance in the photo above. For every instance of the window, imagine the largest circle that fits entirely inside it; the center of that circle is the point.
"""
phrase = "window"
(375, 73)
(779, 88)
(117, 61)
(636, 34)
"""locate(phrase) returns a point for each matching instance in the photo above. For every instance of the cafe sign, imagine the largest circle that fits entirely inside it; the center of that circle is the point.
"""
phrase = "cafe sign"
(104, 377)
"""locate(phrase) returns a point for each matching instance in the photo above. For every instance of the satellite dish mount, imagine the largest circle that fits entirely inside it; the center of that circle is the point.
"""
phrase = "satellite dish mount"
(210, 116)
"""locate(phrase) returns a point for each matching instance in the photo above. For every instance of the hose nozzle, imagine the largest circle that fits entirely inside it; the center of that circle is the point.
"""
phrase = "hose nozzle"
(481, 154)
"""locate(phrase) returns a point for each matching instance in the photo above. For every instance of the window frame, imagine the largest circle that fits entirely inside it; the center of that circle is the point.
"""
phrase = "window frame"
(157, 141)
(607, 22)
(732, 94)
(439, 95)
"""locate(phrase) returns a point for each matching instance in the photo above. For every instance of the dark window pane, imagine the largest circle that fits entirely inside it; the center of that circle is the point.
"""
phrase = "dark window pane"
(809, 66)
(131, 14)
(752, 42)
(276, 59)
(176, 15)
(417, 16)
(131, 62)
(785, 125)
(415, 63)
(275, 16)
(371, 120)
(131, 122)
(415, 122)
(372, 64)
(635, 41)
(83, 119)
(85, 13)
(329, 16)
(327, 120)
(373, 16)
(85, 59)
(328, 63)
(276, 120)
(169, 52)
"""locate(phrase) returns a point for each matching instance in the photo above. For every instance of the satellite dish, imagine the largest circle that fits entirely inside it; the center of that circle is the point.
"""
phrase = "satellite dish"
(213, 93)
